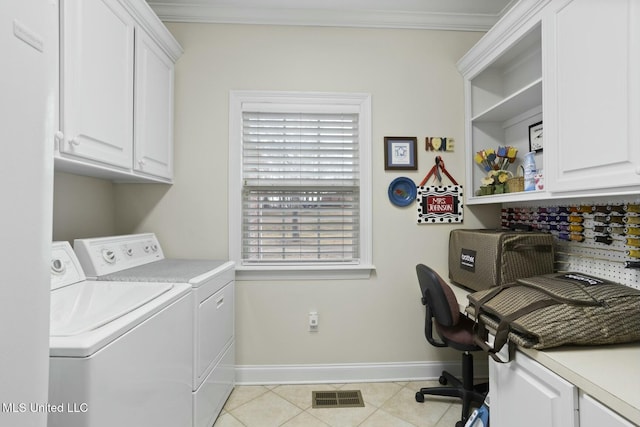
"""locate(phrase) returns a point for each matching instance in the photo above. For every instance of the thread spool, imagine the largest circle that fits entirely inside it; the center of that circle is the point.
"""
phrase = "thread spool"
(607, 240)
(577, 237)
(616, 219)
(633, 253)
(615, 230)
(633, 241)
(601, 218)
(632, 231)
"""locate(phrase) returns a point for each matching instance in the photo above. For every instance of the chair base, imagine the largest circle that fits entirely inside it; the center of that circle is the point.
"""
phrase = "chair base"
(453, 387)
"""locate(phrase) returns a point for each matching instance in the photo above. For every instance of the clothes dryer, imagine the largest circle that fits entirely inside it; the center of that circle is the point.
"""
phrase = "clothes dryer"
(140, 258)
(119, 355)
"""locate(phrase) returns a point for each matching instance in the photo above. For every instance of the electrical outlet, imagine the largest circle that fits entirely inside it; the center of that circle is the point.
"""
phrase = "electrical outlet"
(313, 321)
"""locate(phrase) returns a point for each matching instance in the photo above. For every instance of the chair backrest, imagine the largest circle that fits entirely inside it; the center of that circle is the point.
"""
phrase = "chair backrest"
(440, 300)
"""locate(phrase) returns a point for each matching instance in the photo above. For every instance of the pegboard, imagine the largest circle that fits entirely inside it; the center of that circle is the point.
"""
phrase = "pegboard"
(601, 239)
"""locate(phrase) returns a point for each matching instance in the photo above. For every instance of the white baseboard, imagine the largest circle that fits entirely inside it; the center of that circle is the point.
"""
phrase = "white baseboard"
(350, 372)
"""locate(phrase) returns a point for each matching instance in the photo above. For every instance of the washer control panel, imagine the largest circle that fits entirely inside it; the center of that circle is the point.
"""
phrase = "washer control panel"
(65, 268)
(105, 255)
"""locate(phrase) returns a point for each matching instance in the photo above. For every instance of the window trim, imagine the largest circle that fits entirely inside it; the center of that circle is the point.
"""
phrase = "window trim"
(359, 101)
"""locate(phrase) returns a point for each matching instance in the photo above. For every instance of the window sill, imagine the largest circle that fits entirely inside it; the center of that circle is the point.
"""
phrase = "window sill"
(333, 272)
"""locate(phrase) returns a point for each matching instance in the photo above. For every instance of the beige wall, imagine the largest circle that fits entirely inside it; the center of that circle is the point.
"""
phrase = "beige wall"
(416, 91)
(82, 207)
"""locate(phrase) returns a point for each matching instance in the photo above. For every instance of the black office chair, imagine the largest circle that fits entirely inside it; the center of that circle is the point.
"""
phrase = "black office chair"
(456, 331)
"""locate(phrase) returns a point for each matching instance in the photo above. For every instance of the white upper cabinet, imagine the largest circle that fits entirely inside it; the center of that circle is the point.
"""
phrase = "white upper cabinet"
(97, 88)
(153, 146)
(116, 93)
(572, 65)
(592, 95)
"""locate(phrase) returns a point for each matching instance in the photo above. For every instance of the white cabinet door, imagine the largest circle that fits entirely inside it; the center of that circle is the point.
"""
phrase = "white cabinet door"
(153, 147)
(595, 414)
(97, 41)
(526, 394)
(591, 94)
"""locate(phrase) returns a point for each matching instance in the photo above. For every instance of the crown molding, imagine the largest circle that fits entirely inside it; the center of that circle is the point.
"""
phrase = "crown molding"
(198, 13)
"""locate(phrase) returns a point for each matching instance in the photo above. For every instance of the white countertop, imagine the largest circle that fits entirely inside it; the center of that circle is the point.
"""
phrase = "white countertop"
(608, 373)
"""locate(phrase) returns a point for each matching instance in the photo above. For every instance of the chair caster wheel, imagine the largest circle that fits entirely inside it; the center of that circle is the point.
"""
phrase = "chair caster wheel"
(419, 397)
(460, 424)
(442, 380)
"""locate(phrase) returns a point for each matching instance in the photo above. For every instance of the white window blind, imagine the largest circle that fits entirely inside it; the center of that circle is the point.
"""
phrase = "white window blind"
(301, 189)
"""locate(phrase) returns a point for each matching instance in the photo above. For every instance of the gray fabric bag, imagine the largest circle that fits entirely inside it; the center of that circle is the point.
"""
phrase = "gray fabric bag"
(556, 309)
(480, 259)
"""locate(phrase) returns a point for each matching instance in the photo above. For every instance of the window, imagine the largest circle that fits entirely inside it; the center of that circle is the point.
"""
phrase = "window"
(300, 184)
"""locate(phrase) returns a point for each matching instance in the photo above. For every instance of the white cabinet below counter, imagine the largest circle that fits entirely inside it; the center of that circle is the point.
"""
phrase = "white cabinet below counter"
(116, 91)
(524, 393)
(595, 414)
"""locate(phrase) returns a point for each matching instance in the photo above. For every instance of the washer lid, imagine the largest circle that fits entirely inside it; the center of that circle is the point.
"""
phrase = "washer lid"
(82, 308)
(88, 315)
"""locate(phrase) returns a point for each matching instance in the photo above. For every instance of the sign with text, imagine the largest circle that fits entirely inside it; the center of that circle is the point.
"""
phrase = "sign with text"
(440, 204)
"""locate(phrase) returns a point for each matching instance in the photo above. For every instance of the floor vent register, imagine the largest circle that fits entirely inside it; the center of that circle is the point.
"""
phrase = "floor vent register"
(337, 399)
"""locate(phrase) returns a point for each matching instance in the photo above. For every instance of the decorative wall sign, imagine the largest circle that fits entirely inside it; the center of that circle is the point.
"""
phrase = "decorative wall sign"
(400, 153)
(437, 143)
(439, 204)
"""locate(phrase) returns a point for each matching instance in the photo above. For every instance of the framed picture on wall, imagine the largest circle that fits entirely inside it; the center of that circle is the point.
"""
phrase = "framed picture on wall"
(535, 137)
(400, 153)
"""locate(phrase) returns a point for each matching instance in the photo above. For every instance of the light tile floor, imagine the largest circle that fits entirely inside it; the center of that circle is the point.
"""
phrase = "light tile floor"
(387, 404)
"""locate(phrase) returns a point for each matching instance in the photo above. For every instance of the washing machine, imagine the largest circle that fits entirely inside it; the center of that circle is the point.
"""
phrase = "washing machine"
(119, 354)
(140, 258)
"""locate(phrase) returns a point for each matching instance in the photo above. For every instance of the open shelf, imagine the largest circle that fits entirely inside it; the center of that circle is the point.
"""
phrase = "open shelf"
(518, 103)
(503, 98)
